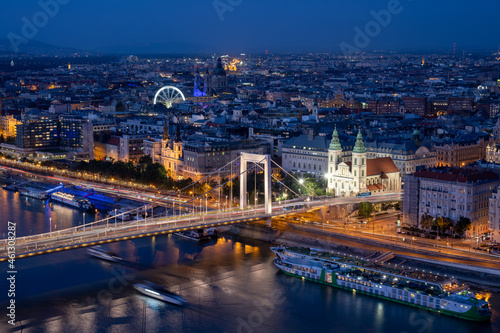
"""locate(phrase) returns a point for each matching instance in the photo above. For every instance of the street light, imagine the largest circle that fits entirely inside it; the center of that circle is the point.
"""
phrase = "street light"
(192, 199)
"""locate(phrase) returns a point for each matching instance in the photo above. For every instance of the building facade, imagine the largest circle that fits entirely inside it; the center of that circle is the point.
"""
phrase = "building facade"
(8, 125)
(494, 215)
(66, 132)
(451, 193)
(462, 151)
(203, 158)
(407, 156)
(306, 154)
(415, 105)
(360, 174)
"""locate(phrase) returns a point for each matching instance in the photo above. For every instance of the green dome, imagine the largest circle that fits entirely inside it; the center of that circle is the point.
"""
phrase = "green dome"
(335, 143)
(359, 147)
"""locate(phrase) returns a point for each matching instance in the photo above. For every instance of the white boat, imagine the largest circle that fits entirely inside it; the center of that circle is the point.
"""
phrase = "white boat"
(436, 293)
(160, 293)
(33, 193)
(98, 252)
(71, 200)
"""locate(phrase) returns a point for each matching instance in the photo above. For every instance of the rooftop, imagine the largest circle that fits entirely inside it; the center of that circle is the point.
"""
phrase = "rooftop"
(459, 175)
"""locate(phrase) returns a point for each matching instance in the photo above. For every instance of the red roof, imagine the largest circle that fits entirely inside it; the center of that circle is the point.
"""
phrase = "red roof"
(381, 165)
(375, 187)
(458, 175)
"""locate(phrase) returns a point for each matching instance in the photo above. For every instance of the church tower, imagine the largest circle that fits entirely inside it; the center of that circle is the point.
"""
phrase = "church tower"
(165, 131)
(334, 154)
(218, 80)
(315, 111)
(197, 92)
(359, 165)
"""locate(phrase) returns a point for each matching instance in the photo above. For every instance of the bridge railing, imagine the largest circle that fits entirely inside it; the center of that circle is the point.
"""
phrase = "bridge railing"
(72, 236)
(107, 225)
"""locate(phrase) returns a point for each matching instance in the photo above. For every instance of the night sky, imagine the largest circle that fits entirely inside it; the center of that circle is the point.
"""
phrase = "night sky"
(257, 25)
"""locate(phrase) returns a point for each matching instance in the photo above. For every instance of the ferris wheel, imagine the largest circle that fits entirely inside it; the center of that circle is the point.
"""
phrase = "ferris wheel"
(169, 95)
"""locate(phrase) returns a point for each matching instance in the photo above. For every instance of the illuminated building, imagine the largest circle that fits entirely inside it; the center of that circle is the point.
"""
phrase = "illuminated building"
(415, 105)
(387, 106)
(198, 91)
(494, 215)
(461, 151)
(451, 193)
(8, 125)
(306, 154)
(361, 174)
(39, 132)
(217, 81)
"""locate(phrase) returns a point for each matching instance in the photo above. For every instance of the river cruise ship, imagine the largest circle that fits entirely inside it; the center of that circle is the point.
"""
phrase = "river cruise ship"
(436, 293)
(71, 200)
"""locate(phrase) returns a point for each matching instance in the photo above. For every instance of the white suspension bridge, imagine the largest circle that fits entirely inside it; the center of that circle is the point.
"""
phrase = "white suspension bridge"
(111, 230)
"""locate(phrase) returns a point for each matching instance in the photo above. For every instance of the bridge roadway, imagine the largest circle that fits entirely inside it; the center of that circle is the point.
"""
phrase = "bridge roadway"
(101, 232)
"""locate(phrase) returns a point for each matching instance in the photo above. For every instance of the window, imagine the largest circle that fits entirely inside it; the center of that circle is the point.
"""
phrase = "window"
(355, 161)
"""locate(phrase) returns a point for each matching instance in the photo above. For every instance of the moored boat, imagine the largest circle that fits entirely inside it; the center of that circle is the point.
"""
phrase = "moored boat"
(415, 288)
(10, 188)
(159, 292)
(71, 200)
(33, 193)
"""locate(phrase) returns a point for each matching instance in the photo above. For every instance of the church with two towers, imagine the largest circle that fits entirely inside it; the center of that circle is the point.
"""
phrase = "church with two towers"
(360, 175)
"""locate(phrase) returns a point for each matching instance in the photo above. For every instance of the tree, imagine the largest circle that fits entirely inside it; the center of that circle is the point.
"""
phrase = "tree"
(443, 223)
(462, 225)
(146, 159)
(2, 138)
(426, 221)
(365, 209)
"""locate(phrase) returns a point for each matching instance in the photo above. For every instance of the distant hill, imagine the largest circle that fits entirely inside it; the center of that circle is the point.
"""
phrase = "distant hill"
(177, 47)
(38, 49)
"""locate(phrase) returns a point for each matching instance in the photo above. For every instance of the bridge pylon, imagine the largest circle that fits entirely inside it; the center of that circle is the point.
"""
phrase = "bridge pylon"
(264, 160)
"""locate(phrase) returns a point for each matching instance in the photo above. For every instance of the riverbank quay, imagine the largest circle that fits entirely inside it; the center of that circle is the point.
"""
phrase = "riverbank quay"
(479, 274)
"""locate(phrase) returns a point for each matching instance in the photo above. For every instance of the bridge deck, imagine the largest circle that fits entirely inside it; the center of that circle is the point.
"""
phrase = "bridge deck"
(101, 232)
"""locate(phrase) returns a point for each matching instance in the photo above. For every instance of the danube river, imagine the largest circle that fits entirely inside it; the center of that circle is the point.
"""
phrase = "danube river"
(34, 216)
(231, 286)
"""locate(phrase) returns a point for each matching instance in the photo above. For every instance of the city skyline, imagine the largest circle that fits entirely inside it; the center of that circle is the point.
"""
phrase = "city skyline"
(250, 166)
(243, 26)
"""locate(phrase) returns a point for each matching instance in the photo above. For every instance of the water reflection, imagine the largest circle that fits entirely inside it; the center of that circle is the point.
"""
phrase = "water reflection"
(230, 284)
(33, 216)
